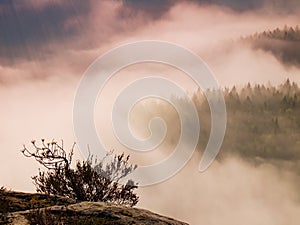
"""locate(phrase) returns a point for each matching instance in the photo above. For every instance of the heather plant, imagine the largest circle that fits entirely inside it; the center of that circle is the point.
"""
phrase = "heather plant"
(89, 180)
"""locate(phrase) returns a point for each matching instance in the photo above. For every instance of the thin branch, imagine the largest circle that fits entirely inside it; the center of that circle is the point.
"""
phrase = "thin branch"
(49, 155)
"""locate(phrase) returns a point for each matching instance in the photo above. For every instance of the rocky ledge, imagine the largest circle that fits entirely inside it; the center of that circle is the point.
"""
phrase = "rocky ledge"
(23, 212)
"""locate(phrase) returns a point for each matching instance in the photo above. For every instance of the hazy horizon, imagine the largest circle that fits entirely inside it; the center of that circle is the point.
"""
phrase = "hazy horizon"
(46, 46)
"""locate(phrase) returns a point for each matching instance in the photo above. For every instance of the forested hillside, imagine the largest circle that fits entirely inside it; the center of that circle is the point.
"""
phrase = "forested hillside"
(284, 44)
(286, 34)
(263, 123)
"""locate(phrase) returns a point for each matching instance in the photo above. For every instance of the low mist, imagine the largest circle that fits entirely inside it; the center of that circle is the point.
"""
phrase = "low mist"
(229, 192)
(40, 70)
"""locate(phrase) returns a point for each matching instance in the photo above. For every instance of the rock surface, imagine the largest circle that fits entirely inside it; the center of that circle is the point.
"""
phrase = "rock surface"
(69, 212)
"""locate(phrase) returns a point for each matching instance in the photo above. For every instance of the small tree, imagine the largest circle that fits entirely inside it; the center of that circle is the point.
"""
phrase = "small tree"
(88, 181)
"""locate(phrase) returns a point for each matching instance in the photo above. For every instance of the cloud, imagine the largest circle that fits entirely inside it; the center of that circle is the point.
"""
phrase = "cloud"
(241, 5)
(271, 6)
(155, 9)
(28, 27)
(34, 47)
(45, 46)
(231, 192)
(36, 30)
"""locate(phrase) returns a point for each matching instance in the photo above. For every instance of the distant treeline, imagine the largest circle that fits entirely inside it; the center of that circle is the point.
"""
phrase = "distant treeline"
(263, 123)
(284, 44)
(287, 34)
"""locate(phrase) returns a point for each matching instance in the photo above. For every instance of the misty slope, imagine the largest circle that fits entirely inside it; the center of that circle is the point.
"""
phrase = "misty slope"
(26, 208)
(284, 44)
(263, 123)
